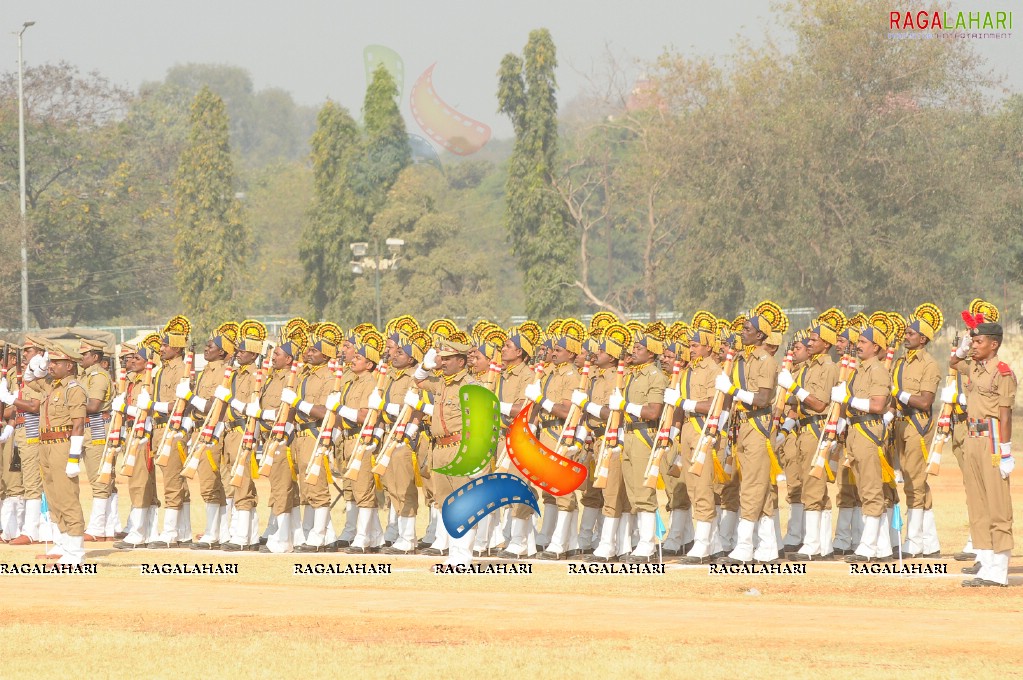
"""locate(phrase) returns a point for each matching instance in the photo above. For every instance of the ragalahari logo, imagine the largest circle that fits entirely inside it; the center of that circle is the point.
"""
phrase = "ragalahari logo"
(939, 24)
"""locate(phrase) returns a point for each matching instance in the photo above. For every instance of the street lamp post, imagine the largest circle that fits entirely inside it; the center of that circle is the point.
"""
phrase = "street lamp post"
(363, 261)
(21, 172)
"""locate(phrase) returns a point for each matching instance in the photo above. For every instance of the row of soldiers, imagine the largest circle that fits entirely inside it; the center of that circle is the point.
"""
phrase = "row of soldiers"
(701, 410)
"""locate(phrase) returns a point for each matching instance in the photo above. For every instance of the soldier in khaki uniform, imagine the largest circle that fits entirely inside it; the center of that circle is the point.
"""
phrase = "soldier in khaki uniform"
(914, 385)
(245, 388)
(285, 517)
(177, 525)
(62, 419)
(554, 398)
(614, 539)
(219, 348)
(406, 348)
(26, 438)
(811, 389)
(866, 398)
(100, 390)
(309, 400)
(692, 402)
(752, 387)
(990, 396)
(446, 430)
(850, 519)
(516, 373)
(641, 404)
(12, 488)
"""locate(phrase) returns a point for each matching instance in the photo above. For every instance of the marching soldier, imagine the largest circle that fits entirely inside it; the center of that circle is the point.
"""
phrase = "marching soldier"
(865, 399)
(811, 387)
(177, 525)
(990, 396)
(100, 390)
(446, 430)
(12, 488)
(752, 387)
(309, 400)
(914, 385)
(62, 418)
(34, 385)
(219, 348)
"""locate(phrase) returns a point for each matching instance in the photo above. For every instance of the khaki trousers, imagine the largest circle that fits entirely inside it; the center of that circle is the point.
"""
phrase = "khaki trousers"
(991, 521)
(175, 487)
(635, 457)
(317, 495)
(755, 464)
(866, 467)
(814, 493)
(700, 488)
(399, 481)
(31, 476)
(62, 492)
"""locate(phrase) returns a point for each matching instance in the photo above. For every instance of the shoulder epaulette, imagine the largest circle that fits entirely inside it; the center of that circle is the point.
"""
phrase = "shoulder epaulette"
(1004, 369)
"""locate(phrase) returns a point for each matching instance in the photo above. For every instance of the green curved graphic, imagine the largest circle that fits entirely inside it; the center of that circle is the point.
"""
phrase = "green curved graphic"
(481, 431)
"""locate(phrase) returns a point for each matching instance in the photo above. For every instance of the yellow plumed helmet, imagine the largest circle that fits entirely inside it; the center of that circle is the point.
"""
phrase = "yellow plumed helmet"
(526, 336)
(251, 336)
(859, 321)
(601, 320)
(149, 348)
(419, 343)
(927, 320)
(479, 330)
(570, 334)
(460, 337)
(295, 336)
(616, 339)
(326, 337)
(492, 342)
(768, 318)
(442, 327)
(898, 327)
(225, 336)
(979, 306)
(678, 333)
(704, 328)
(834, 318)
(293, 326)
(175, 333)
(553, 328)
(635, 327)
(880, 329)
(406, 323)
(737, 323)
(370, 344)
(364, 327)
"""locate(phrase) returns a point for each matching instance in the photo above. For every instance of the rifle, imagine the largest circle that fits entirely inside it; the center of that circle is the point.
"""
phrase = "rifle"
(504, 464)
(663, 442)
(138, 432)
(611, 443)
(783, 395)
(829, 433)
(709, 432)
(202, 443)
(324, 443)
(368, 426)
(575, 414)
(493, 375)
(279, 434)
(248, 443)
(173, 432)
(393, 440)
(943, 432)
(113, 444)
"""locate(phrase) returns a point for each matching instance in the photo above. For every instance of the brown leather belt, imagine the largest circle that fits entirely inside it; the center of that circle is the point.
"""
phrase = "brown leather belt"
(448, 441)
(56, 434)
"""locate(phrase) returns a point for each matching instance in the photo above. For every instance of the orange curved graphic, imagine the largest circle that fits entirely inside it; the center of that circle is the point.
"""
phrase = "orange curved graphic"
(554, 474)
(456, 132)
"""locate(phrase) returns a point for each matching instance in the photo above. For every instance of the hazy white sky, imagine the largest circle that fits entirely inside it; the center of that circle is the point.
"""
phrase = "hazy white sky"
(314, 48)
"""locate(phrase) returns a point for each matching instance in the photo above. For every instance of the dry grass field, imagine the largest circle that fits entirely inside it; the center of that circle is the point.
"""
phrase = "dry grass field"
(267, 622)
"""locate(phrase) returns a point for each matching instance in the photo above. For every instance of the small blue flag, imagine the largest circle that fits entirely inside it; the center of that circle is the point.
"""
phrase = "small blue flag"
(44, 506)
(662, 531)
(896, 518)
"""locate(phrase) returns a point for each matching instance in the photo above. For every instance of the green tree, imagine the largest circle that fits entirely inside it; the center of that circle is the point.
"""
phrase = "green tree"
(336, 217)
(210, 240)
(386, 147)
(546, 250)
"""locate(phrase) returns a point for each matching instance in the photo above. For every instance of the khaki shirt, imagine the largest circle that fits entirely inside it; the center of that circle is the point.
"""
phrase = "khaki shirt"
(759, 371)
(602, 385)
(558, 386)
(817, 376)
(511, 385)
(644, 384)
(98, 385)
(915, 373)
(243, 382)
(165, 383)
(870, 380)
(698, 384)
(992, 386)
(64, 404)
(315, 386)
(399, 382)
(355, 394)
(447, 412)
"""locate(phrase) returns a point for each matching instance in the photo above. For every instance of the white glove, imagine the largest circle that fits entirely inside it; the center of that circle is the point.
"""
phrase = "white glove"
(413, 399)
(161, 407)
(903, 397)
(430, 359)
(948, 394)
(183, 391)
(187, 424)
(269, 415)
(887, 418)
(723, 383)
(199, 403)
(143, 401)
(672, 396)
(841, 425)
(252, 410)
(39, 365)
(785, 379)
(838, 393)
(393, 409)
(6, 434)
(376, 402)
(5, 395)
(964, 347)
(333, 401)
(533, 392)
(222, 393)
(1007, 464)
(72, 469)
(238, 405)
(616, 402)
(289, 397)
(579, 398)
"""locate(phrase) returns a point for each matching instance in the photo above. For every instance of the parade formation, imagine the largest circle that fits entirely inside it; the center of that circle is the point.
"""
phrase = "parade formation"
(706, 420)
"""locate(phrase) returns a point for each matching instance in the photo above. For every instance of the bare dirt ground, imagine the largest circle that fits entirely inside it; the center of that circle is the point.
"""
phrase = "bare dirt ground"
(267, 621)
